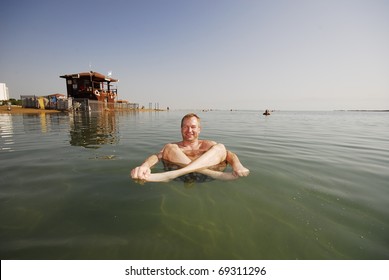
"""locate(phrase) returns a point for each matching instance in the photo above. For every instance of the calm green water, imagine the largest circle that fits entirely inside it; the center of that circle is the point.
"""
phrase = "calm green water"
(318, 188)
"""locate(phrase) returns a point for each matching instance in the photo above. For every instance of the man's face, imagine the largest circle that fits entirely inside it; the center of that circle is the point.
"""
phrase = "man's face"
(190, 129)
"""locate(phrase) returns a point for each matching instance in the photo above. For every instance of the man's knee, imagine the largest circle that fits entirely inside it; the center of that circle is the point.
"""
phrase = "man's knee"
(170, 151)
(220, 147)
(171, 147)
(221, 150)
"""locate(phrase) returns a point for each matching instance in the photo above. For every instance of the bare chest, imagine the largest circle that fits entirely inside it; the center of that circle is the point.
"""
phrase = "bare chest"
(195, 152)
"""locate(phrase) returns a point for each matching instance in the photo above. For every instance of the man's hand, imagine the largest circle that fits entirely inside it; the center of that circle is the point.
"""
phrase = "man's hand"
(140, 173)
(238, 169)
(241, 171)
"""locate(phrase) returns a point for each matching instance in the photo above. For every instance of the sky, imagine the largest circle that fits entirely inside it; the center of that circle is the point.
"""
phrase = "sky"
(204, 54)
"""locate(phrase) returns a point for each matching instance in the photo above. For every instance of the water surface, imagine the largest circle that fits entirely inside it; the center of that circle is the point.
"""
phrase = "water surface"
(318, 188)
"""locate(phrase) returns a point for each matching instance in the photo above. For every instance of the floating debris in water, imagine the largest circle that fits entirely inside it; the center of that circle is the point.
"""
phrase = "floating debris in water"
(109, 157)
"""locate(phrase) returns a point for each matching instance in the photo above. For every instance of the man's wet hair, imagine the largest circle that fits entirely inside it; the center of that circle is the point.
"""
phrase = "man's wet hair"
(188, 116)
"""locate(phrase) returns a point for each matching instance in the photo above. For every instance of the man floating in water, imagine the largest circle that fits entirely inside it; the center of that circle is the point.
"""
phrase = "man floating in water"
(193, 155)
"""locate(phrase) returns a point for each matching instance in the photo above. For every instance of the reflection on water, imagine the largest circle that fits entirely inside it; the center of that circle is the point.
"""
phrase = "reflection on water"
(6, 132)
(42, 123)
(90, 130)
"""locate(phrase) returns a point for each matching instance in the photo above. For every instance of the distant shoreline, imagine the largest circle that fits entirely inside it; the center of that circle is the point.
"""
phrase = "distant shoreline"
(386, 111)
(21, 110)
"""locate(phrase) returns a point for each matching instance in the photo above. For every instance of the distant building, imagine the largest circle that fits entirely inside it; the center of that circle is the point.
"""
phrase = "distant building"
(91, 85)
(4, 94)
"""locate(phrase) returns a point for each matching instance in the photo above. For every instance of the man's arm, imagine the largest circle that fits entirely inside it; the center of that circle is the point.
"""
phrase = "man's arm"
(210, 158)
(200, 165)
(144, 170)
(237, 167)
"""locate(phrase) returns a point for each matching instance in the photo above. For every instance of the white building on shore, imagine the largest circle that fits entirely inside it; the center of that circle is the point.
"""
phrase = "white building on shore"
(4, 94)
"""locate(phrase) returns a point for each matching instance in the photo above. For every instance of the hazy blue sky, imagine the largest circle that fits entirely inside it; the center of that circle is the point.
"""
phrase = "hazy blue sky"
(187, 54)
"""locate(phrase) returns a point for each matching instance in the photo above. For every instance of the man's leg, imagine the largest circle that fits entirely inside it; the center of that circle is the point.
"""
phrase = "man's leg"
(213, 156)
(173, 154)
